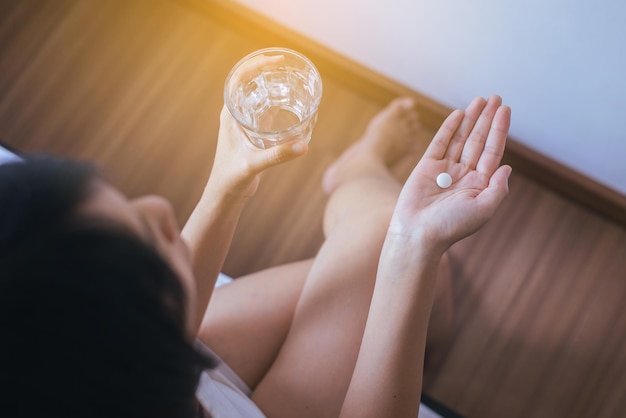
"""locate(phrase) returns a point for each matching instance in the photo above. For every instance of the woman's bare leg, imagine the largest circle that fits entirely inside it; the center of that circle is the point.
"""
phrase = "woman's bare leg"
(313, 369)
(362, 196)
(247, 320)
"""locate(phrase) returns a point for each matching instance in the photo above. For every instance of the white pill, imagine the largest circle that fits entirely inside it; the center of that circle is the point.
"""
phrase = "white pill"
(444, 180)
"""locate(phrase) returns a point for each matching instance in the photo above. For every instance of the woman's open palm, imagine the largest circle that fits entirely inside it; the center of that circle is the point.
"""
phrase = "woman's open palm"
(469, 147)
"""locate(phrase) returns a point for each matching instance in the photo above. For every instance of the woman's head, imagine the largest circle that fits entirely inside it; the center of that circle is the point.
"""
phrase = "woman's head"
(39, 195)
(92, 316)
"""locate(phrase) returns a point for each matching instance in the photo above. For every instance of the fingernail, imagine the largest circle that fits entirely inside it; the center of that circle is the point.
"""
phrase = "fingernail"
(298, 147)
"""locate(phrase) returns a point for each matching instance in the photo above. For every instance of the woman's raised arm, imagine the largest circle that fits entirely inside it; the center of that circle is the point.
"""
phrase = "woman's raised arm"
(427, 220)
(234, 179)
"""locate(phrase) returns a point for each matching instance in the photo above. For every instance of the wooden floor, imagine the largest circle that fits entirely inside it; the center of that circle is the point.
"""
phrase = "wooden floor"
(137, 86)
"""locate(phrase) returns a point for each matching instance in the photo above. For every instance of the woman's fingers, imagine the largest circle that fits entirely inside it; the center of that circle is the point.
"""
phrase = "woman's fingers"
(236, 146)
(493, 150)
(452, 136)
(491, 198)
(472, 113)
(261, 160)
(476, 139)
(441, 141)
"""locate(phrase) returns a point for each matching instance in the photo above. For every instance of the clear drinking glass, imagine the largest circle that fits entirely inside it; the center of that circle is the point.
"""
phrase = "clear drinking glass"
(274, 94)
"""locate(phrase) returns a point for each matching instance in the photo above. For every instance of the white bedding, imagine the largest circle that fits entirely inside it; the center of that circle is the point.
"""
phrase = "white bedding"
(6, 155)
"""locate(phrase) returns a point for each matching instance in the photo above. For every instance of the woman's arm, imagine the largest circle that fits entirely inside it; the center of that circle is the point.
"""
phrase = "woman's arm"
(427, 220)
(234, 179)
(388, 375)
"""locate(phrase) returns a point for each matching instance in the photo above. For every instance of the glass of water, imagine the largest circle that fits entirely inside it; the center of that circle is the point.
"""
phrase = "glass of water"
(274, 94)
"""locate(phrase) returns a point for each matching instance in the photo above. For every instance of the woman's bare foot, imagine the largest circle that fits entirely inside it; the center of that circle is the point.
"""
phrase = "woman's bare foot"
(390, 135)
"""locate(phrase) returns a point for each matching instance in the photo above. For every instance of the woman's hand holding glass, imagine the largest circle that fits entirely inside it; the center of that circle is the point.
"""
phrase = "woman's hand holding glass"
(238, 164)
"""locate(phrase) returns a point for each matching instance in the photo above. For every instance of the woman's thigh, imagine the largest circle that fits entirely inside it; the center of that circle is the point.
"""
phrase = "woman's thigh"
(313, 369)
(247, 320)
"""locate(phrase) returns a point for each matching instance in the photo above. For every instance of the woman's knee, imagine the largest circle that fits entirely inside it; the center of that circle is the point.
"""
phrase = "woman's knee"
(370, 207)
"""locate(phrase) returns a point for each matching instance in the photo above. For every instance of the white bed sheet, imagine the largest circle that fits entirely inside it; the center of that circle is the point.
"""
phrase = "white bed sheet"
(6, 156)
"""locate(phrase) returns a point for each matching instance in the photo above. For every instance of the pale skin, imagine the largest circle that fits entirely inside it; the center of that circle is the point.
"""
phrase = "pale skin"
(343, 334)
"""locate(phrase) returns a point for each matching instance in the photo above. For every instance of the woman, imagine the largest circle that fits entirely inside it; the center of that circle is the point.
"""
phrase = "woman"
(102, 298)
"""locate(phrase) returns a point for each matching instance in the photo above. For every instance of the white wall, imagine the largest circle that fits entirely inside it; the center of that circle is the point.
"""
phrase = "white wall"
(559, 64)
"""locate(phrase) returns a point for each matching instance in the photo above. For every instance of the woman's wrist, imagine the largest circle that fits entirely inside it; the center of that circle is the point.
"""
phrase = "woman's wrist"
(416, 242)
(406, 266)
(222, 192)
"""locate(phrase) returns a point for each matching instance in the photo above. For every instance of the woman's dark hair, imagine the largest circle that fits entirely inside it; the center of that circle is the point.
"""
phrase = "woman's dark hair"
(91, 317)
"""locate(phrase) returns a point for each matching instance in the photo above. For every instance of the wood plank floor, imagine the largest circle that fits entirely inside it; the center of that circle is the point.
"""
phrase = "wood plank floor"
(136, 85)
